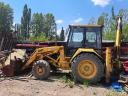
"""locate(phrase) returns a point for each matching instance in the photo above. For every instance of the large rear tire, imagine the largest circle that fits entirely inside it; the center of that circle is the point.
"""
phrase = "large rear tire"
(87, 66)
(41, 69)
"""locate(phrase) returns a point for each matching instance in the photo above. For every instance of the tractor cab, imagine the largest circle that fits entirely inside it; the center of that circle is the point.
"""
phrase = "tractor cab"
(84, 36)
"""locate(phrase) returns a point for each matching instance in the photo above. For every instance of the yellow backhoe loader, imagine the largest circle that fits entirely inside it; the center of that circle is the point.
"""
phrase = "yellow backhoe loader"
(82, 54)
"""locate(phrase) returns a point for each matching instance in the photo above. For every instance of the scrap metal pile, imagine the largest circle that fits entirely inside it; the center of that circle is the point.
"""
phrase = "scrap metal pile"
(7, 43)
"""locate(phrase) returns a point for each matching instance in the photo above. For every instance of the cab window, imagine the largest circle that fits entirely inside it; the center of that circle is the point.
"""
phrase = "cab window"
(76, 37)
(93, 38)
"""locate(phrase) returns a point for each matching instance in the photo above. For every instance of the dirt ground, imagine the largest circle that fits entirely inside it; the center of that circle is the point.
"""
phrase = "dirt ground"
(24, 86)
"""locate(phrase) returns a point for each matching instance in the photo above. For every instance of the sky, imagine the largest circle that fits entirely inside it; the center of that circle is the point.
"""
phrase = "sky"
(67, 11)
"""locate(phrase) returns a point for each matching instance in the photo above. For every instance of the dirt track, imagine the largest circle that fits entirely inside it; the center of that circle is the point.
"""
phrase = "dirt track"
(51, 87)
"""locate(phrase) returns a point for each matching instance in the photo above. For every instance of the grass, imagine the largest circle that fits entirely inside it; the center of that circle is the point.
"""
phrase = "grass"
(86, 83)
(114, 93)
(94, 93)
(111, 93)
(69, 82)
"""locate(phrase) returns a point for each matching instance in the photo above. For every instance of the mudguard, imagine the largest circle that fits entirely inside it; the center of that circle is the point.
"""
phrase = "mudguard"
(83, 50)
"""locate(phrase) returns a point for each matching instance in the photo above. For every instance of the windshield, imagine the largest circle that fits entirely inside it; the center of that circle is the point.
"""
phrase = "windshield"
(76, 37)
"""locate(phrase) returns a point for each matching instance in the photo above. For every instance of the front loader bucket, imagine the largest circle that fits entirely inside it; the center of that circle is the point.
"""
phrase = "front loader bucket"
(8, 71)
(13, 69)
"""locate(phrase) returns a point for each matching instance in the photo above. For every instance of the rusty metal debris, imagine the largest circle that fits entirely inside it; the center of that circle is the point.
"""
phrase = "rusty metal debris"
(126, 87)
(7, 43)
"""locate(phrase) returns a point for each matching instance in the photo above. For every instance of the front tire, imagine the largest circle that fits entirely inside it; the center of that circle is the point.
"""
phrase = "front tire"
(41, 69)
(88, 67)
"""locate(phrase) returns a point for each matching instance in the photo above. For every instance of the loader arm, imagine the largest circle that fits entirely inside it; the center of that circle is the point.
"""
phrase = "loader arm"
(40, 53)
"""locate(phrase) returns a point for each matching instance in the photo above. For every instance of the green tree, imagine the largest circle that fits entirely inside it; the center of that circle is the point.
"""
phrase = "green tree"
(17, 28)
(37, 24)
(6, 17)
(92, 21)
(50, 27)
(40, 38)
(62, 37)
(101, 20)
(113, 13)
(124, 14)
(25, 22)
(109, 26)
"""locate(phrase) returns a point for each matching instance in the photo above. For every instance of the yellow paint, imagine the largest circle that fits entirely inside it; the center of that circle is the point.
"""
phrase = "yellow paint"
(45, 52)
(81, 50)
(118, 33)
(118, 37)
(87, 69)
(108, 63)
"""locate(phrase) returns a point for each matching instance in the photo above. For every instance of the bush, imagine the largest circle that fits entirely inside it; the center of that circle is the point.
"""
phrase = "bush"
(41, 38)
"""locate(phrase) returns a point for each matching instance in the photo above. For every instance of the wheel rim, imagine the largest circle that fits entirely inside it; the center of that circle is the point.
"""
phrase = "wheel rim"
(87, 69)
(39, 70)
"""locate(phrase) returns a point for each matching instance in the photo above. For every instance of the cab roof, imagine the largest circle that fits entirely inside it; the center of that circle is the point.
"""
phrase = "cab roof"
(84, 25)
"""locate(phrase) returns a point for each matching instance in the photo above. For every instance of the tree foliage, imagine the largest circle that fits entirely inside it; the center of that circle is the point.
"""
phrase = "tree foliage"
(101, 20)
(62, 36)
(37, 24)
(41, 38)
(6, 17)
(109, 31)
(41, 25)
(25, 22)
(44, 24)
(124, 14)
(92, 21)
(50, 27)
